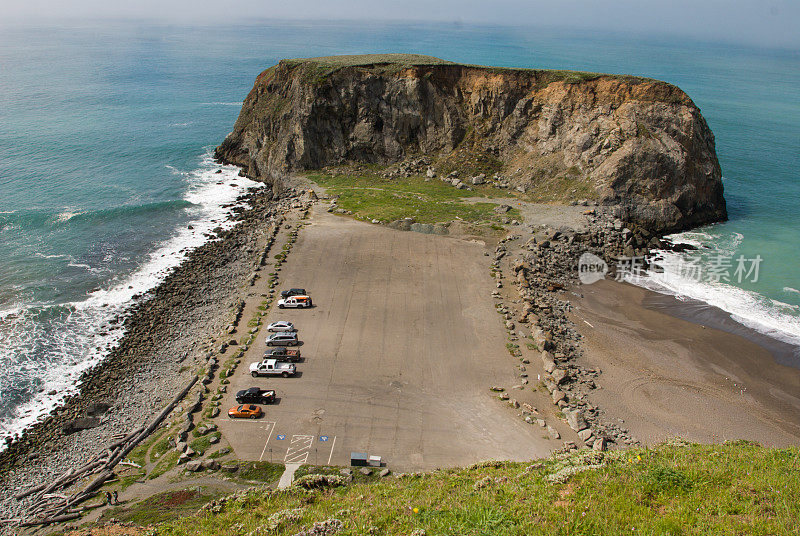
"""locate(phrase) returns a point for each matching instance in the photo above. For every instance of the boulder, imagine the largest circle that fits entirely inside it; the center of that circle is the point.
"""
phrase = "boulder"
(548, 362)
(210, 464)
(559, 376)
(575, 420)
(553, 433)
(585, 434)
(97, 408)
(194, 466)
(82, 423)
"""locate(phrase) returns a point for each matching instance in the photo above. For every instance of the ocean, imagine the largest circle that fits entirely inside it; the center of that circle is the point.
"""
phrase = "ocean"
(107, 128)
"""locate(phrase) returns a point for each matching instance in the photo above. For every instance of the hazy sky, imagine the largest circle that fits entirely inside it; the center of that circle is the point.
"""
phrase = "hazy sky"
(762, 22)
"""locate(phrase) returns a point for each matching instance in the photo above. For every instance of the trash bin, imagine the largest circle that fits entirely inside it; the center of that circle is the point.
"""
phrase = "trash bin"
(359, 459)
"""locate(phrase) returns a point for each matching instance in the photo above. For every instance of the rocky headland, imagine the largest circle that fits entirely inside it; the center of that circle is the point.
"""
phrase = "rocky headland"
(636, 144)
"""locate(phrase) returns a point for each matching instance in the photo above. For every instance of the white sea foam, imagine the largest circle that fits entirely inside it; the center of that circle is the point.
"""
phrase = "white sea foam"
(67, 215)
(771, 317)
(792, 290)
(56, 256)
(85, 335)
(223, 103)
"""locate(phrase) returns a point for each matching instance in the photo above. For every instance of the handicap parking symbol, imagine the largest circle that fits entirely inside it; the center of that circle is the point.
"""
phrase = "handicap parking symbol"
(281, 437)
(323, 438)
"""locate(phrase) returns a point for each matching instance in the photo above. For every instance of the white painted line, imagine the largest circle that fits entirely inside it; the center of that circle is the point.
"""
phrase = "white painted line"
(298, 449)
(300, 458)
(333, 444)
(272, 429)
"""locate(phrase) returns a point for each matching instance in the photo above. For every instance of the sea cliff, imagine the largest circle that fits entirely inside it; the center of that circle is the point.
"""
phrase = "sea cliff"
(637, 144)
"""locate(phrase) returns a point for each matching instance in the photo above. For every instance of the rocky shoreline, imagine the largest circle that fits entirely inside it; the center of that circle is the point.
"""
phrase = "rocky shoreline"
(169, 333)
(541, 269)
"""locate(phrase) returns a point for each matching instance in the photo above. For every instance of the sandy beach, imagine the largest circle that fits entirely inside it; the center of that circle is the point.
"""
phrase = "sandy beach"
(666, 376)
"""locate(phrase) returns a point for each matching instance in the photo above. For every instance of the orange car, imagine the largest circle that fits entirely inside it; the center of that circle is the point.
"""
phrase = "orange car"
(245, 411)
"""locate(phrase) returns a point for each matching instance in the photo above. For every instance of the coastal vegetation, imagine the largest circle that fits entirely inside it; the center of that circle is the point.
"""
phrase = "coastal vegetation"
(371, 196)
(675, 488)
(316, 70)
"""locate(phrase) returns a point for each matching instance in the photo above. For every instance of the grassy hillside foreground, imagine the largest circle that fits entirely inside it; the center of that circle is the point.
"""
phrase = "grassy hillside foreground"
(734, 488)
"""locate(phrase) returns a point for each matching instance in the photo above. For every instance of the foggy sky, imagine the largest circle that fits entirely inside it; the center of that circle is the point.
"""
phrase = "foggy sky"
(772, 23)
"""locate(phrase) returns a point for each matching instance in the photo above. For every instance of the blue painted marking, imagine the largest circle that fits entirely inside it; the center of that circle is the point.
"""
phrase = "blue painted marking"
(281, 437)
(323, 438)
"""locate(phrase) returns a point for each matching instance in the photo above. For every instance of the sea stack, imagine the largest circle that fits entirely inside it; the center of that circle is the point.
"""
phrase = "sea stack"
(637, 144)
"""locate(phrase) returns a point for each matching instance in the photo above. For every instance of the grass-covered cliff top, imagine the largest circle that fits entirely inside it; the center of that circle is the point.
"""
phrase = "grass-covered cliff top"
(734, 488)
(390, 63)
(362, 60)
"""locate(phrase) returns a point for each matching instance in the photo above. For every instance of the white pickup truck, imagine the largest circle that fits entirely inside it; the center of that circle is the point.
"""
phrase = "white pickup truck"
(272, 367)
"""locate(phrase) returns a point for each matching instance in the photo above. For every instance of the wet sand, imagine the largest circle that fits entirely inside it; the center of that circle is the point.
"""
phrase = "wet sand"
(678, 369)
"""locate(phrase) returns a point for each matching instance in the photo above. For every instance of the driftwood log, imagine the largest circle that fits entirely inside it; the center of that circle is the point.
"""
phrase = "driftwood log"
(62, 508)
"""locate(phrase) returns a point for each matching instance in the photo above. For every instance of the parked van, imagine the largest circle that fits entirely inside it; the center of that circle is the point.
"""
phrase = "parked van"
(298, 302)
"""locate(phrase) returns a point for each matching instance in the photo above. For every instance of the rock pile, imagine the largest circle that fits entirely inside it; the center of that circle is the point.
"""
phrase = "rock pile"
(543, 266)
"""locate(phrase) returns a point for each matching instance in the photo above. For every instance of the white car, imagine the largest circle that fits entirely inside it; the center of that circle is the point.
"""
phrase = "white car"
(281, 325)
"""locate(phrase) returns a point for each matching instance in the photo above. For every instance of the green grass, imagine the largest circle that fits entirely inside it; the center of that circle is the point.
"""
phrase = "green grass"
(729, 489)
(316, 70)
(304, 470)
(138, 454)
(219, 453)
(165, 463)
(201, 444)
(160, 448)
(261, 471)
(374, 197)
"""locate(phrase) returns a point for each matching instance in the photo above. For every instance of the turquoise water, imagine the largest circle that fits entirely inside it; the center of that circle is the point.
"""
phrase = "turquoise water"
(105, 133)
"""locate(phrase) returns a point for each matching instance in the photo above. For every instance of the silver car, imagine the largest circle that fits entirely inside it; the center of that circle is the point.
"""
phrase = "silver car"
(284, 338)
(281, 325)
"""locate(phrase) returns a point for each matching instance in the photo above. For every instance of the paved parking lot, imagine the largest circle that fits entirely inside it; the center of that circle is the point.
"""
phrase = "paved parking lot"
(399, 352)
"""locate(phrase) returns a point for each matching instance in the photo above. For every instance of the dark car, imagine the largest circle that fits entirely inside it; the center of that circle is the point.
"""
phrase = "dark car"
(282, 354)
(293, 292)
(254, 395)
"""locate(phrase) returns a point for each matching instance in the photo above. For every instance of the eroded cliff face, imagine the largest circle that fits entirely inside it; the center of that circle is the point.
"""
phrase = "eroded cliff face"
(637, 143)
